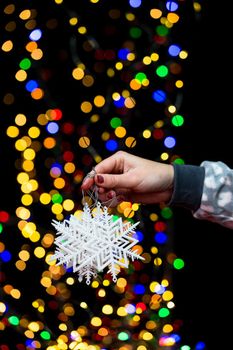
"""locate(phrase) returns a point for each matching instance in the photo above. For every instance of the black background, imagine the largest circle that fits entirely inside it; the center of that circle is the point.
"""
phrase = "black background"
(203, 289)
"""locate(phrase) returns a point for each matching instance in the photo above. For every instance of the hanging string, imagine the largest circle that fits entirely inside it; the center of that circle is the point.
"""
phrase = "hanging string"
(93, 193)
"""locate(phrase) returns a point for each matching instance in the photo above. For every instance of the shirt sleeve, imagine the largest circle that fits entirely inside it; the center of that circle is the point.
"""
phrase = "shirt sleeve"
(188, 186)
(217, 196)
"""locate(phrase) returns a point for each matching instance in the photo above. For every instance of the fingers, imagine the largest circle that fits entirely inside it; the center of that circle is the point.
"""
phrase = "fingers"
(88, 182)
(114, 180)
(113, 198)
(112, 164)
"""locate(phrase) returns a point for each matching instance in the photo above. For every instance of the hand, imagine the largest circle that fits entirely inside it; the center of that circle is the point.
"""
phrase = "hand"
(125, 177)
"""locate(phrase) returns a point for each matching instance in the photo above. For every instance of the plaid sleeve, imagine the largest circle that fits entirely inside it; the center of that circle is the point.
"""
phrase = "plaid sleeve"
(217, 196)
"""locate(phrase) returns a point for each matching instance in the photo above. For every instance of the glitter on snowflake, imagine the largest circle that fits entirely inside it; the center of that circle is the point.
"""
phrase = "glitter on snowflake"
(93, 242)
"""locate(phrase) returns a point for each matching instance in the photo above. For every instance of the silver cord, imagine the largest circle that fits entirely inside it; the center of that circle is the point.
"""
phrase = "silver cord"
(93, 194)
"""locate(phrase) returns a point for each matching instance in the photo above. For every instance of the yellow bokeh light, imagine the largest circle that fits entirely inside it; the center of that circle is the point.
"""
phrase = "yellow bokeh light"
(157, 261)
(167, 328)
(171, 109)
(46, 281)
(173, 17)
(28, 165)
(49, 142)
(47, 240)
(63, 327)
(130, 16)
(164, 156)
(35, 236)
(147, 336)
(39, 252)
(68, 204)
(20, 119)
(119, 66)
(29, 154)
(15, 293)
(69, 167)
(154, 217)
(110, 72)
(34, 132)
(179, 84)
(107, 309)
(78, 73)
(25, 14)
(154, 56)
(7, 46)
(99, 101)
(70, 281)
(86, 107)
(96, 321)
(147, 60)
(130, 142)
(120, 131)
(183, 54)
(101, 293)
(57, 208)
(21, 75)
(9, 9)
(20, 145)
(82, 30)
(95, 284)
(155, 13)
(34, 326)
(23, 213)
(24, 255)
(59, 183)
(37, 54)
(135, 206)
(88, 80)
(167, 295)
(31, 46)
(20, 265)
(84, 142)
(121, 311)
(2, 307)
(135, 84)
(69, 310)
(12, 131)
(45, 198)
(73, 21)
(128, 212)
(49, 259)
(146, 134)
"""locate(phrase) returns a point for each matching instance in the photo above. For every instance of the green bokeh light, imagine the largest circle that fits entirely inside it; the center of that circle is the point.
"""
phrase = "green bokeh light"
(115, 122)
(135, 32)
(178, 264)
(162, 71)
(177, 120)
(25, 64)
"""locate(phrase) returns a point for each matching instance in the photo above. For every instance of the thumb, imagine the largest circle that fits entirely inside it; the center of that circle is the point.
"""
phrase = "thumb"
(112, 180)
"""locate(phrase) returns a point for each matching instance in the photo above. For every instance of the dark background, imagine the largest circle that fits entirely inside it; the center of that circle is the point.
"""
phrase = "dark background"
(203, 295)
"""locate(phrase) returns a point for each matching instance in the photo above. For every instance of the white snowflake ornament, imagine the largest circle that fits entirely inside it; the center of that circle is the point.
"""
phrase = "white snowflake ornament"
(93, 242)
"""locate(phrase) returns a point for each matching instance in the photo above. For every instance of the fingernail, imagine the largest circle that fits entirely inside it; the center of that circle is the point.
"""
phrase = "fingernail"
(110, 195)
(100, 179)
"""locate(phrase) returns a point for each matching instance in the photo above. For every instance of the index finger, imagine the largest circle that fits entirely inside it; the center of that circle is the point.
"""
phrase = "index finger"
(88, 182)
(111, 165)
